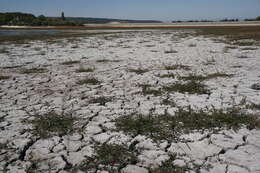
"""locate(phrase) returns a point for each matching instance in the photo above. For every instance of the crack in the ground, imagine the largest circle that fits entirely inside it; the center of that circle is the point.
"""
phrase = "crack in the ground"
(68, 165)
(26, 147)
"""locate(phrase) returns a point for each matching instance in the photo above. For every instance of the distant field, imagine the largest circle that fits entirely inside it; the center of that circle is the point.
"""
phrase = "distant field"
(233, 30)
(143, 25)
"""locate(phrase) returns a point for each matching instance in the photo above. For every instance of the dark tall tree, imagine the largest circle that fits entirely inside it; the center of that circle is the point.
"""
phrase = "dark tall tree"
(42, 18)
(62, 16)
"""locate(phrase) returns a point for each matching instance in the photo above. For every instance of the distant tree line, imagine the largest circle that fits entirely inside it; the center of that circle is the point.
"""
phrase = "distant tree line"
(26, 19)
(223, 20)
(180, 21)
(21, 19)
(89, 20)
(256, 19)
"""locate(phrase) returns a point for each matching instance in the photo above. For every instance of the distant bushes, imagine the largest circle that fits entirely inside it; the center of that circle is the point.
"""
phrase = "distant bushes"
(256, 19)
(223, 20)
(21, 19)
(16, 18)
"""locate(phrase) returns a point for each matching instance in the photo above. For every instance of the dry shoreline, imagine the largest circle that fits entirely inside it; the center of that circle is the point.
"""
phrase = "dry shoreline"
(186, 25)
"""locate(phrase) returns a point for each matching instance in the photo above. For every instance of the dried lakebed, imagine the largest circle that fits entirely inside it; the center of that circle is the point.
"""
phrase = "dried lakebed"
(133, 102)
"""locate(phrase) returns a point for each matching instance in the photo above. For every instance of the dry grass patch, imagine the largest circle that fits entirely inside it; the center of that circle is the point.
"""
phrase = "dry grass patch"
(84, 70)
(138, 71)
(243, 57)
(91, 81)
(168, 102)
(192, 45)
(4, 77)
(191, 87)
(70, 62)
(254, 106)
(245, 43)
(100, 100)
(33, 70)
(147, 90)
(177, 67)
(233, 35)
(4, 50)
(169, 75)
(170, 51)
(249, 48)
(208, 77)
(103, 61)
(107, 61)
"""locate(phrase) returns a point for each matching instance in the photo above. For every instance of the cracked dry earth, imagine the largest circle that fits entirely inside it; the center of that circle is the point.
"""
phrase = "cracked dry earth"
(96, 80)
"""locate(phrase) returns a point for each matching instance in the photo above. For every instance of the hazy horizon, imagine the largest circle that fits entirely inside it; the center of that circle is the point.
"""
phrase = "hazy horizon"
(139, 10)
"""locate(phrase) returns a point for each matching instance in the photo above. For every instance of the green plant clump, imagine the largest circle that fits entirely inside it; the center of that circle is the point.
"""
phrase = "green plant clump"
(166, 127)
(110, 157)
(53, 124)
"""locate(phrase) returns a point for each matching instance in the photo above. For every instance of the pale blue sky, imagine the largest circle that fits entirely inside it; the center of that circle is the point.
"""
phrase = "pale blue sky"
(138, 9)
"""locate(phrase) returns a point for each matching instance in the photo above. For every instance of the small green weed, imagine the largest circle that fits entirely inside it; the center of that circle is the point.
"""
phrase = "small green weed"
(91, 81)
(33, 70)
(191, 87)
(52, 124)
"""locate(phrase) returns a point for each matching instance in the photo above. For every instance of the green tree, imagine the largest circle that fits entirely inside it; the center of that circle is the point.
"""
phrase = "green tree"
(42, 18)
(62, 16)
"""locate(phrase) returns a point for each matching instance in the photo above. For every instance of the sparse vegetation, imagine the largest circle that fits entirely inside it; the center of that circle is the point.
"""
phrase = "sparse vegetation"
(138, 71)
(91, 81)
(74, 46)
(106, 61)
(103, 60)
(4, 77)
(168, 102)
(3, 146)
(201, 78)
(249, 48)
(177, 67)
(233, 35)
(33, 70)
(110, 157)
(2, 118)
(244, 43)
(192, 45)
(70, 62)
(53, 124)
(84, 70)
(3, 51)
(169, 75)
(170, 51)
(254, 106)
(101, 100)
(243, 57)
(231, 47)
(146, 90)
(168, 167)
(166, 127)
(191, 87)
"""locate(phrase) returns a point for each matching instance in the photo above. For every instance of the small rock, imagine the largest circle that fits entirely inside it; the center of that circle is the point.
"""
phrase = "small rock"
(58, 148)
(57, 163)
(134, 169)
(179, 163)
